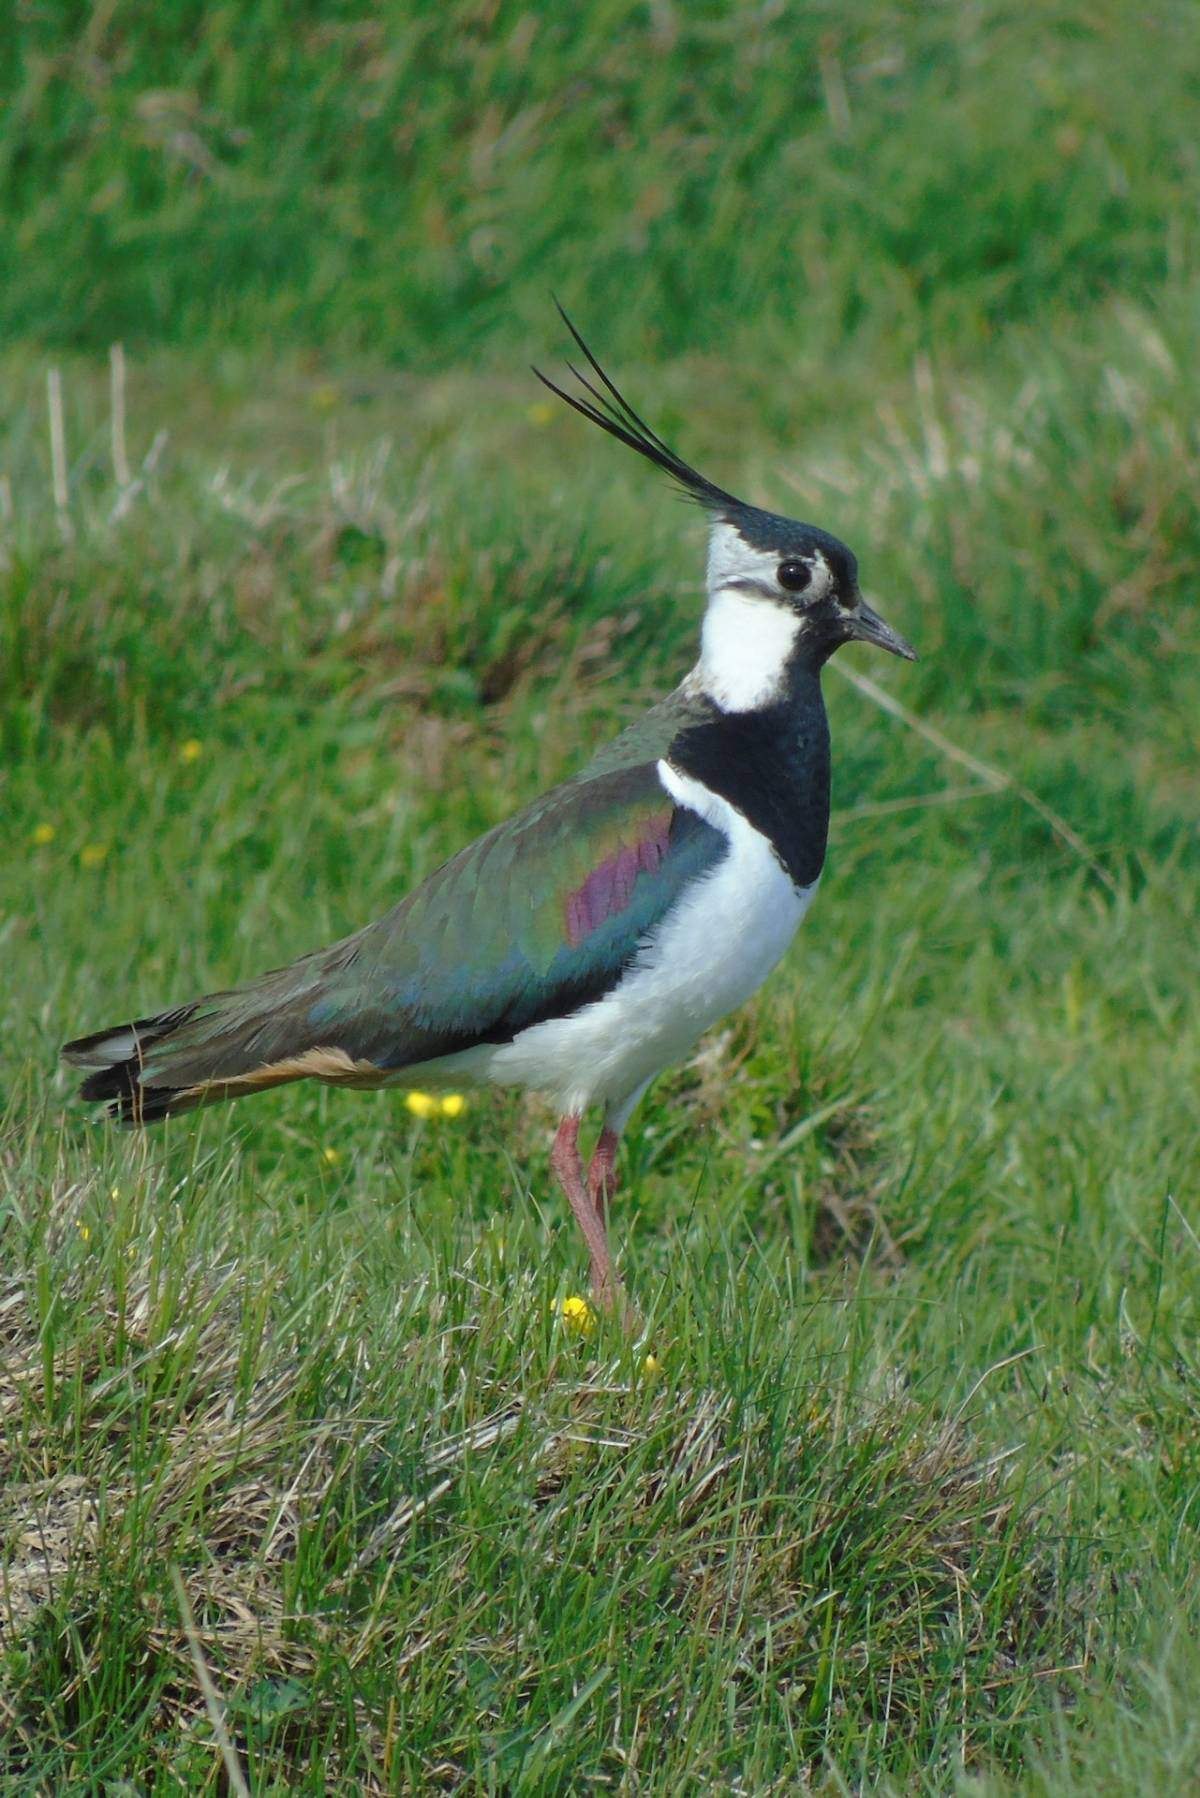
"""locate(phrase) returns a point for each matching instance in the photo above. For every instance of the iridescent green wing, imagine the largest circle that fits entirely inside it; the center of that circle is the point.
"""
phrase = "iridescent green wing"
(535, 919)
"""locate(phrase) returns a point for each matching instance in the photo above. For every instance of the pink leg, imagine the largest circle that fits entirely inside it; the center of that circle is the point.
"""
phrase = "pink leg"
(602, 1174)
(568, 1169)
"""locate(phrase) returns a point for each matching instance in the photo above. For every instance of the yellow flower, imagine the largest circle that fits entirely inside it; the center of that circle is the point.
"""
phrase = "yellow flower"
(325, 396)
(539, 413)
(84, 1232)
(577, 1315)
(93, 854)
(330, 1157)
(191, 749)
(652, 1367)
(43, 834)
(428, 1105)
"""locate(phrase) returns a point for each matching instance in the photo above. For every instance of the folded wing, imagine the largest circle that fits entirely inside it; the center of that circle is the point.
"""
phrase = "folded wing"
(538, 917)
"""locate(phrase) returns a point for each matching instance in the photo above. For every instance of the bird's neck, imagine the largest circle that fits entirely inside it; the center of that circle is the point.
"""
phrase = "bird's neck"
(771, 763)
(746, 647)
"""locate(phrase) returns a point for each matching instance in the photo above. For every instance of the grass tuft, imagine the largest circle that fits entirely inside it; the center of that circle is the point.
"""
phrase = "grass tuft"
(790, 1560)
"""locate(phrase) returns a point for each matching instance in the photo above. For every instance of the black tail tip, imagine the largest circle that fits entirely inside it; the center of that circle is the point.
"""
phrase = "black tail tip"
(116, 1058)
(119, 1089)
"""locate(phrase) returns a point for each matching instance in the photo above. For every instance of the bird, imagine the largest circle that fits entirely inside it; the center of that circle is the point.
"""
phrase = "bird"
(586, 944)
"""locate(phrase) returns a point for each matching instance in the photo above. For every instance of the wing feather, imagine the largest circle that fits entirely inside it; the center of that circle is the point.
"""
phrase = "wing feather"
(489, 945)
(533, 920)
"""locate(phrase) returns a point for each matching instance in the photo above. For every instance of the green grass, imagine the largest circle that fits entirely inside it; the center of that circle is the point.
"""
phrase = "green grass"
(856, 182)
(912, 1505)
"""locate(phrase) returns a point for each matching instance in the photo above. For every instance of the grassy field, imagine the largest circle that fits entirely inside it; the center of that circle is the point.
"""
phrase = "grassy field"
(299, 1466)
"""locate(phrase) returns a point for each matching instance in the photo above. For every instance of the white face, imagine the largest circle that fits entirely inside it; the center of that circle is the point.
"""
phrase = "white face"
(752, 622)
(734, 565)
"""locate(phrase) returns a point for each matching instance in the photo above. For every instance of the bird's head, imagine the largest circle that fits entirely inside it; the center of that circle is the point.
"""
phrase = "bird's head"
(781, 595)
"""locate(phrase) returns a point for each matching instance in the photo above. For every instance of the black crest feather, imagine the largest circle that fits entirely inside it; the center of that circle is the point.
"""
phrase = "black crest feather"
(607, 407)
(770, 532)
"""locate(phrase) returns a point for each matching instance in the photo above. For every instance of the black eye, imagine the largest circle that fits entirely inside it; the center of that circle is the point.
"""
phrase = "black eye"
(793, 576)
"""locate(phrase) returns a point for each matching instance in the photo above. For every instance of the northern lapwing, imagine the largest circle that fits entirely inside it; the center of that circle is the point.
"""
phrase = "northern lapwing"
(586, 944)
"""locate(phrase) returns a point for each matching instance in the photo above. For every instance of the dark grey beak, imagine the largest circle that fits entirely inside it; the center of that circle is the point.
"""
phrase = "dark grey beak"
(867, 626)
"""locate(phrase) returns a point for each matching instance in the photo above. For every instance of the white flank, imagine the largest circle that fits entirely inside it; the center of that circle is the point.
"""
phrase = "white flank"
(713, 950)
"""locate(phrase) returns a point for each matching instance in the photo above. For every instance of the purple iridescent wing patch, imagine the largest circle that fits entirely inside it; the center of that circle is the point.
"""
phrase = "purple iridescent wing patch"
(609, 887)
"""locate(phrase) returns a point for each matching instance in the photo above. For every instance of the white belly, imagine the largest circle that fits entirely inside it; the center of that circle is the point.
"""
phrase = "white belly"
(715, 948)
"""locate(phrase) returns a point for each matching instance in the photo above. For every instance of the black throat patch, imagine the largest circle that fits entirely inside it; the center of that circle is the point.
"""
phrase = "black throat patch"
(771, 765)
